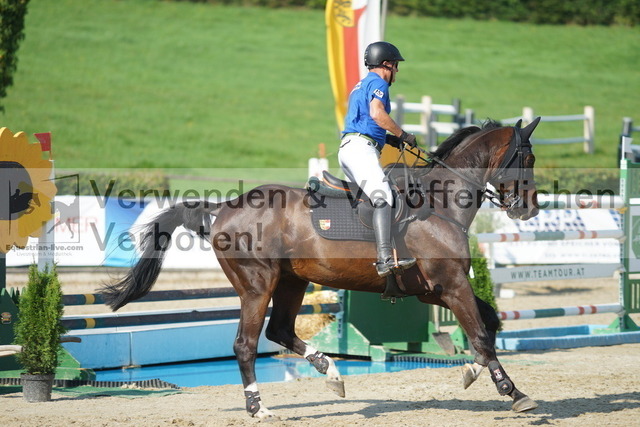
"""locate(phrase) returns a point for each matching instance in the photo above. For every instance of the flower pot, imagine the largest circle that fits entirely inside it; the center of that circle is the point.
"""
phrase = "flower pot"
(37, 388)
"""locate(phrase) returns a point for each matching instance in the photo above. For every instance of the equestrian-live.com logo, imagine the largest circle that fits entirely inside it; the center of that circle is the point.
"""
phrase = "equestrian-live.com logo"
(26, 191)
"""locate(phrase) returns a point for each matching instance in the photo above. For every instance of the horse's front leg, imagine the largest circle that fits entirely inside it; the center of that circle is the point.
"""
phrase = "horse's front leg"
(471, 372)
(287, 300)
(325, 365)
(462, 301)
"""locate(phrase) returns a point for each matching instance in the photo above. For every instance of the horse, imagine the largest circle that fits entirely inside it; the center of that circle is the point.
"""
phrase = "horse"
(69, 214)
(269, 250)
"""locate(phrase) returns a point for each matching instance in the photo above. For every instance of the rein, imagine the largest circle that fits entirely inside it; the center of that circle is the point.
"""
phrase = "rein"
(492, 196)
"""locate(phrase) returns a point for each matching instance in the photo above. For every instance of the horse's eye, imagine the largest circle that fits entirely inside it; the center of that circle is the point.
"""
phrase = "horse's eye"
(529, 161)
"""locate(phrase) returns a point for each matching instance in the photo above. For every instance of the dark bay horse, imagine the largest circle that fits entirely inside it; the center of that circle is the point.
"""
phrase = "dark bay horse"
(269, 250)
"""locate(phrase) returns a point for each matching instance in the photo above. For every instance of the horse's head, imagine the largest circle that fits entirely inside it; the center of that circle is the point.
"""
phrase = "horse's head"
(513, 175)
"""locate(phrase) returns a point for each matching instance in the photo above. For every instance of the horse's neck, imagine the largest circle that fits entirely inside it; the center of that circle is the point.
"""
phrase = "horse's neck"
(455, 197)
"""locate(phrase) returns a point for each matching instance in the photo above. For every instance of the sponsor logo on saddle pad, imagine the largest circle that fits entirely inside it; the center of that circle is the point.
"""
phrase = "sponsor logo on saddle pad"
(325, 224)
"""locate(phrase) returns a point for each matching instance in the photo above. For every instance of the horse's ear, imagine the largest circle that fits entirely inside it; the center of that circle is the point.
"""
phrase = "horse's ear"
(519, 124)
(527, 131)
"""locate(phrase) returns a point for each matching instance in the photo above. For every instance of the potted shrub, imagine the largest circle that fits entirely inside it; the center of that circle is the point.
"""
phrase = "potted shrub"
(38, 331)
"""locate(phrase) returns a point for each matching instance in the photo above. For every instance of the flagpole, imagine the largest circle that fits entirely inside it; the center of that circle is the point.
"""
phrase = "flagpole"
(383, 18)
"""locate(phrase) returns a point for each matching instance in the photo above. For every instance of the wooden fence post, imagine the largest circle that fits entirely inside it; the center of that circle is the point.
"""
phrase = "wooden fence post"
(400, 110)
(527, 115)
(627, 126)
(469, 117)
(589, 129)
(430, 135)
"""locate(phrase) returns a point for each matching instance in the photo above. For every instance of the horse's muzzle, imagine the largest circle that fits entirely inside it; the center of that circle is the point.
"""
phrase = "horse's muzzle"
(524, 208)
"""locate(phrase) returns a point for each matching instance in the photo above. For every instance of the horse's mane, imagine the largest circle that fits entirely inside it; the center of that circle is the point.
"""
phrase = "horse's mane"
(447, 146)
(443, 150)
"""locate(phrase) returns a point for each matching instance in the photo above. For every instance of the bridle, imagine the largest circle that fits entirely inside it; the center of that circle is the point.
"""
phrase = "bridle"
(511, 168)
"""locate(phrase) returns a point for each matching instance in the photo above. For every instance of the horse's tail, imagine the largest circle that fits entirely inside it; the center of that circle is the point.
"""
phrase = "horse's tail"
(156, 238)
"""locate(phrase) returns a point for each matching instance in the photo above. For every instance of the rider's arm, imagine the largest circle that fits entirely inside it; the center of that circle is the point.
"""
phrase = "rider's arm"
(382, 118)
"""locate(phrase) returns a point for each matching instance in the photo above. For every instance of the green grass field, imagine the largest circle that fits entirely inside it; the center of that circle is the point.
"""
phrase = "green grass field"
(146, 83)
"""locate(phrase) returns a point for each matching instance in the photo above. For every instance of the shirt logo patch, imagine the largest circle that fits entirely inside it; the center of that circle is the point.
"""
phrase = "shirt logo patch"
(378, 93)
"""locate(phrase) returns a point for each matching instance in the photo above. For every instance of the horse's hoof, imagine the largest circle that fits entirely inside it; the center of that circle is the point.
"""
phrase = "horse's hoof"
(523, 405)
(265, 415)
(468, 375)
(336, 386)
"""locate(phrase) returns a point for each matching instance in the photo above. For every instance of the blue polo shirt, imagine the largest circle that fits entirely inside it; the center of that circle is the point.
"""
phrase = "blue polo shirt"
(358, 118)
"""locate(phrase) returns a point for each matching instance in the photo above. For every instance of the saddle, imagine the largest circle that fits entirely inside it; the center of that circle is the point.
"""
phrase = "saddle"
(341, 211)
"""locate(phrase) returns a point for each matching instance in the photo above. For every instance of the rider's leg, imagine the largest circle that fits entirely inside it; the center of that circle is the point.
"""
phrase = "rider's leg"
(360, 163)
(382, 228)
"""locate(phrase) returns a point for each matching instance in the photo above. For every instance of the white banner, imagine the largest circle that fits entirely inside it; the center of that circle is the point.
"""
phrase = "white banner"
(101, 231)
(558, 252)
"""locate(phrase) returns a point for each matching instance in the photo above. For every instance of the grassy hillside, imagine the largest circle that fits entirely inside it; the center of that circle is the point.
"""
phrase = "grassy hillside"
(180, 85)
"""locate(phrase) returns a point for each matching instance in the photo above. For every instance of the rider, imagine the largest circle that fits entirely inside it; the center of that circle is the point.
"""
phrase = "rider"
(365, 133)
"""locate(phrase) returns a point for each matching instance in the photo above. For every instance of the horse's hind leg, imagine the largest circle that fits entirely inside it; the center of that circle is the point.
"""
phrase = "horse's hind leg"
(287, 300)
(254, 286)
(463, 304)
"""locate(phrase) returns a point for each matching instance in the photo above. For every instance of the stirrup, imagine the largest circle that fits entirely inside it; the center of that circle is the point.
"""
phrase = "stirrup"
(384, 268)
(392, 291)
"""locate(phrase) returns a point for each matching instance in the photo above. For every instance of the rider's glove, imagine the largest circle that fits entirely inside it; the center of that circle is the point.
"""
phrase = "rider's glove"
(409, 139)
(393, 141)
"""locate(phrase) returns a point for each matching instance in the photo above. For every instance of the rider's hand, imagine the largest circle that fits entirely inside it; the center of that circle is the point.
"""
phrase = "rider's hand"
(409, 139)
(393, 141)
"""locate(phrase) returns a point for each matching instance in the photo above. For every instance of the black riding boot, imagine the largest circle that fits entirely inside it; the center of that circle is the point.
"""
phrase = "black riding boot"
(382, 229)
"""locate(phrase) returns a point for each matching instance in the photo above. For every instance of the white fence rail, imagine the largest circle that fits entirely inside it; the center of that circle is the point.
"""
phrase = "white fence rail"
(430, 126)
(588, 119)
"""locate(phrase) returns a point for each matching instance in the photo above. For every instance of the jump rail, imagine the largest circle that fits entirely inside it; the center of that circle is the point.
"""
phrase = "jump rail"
(561, 312)
(172, 295)
(174, 316)
(179, 316)
(537, 236)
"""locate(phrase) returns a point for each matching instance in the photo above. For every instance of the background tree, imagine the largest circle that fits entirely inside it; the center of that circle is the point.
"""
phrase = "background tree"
(12, 13)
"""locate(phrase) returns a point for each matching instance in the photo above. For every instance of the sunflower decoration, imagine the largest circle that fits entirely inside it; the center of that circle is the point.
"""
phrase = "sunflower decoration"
(26, 190)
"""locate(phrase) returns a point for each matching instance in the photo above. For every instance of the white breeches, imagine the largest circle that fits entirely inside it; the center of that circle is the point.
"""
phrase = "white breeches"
(359, 160)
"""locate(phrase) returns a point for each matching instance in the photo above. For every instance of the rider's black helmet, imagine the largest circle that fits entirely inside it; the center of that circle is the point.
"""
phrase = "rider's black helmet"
(378, 52)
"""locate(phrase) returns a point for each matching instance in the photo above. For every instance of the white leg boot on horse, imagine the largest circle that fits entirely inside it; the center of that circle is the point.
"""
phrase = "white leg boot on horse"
(325, 365)
(254, 404)
(480, 323)
(287, 299)
(382, 227)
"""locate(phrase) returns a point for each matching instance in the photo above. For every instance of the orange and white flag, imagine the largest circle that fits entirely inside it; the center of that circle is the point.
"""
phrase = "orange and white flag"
(351, 26)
